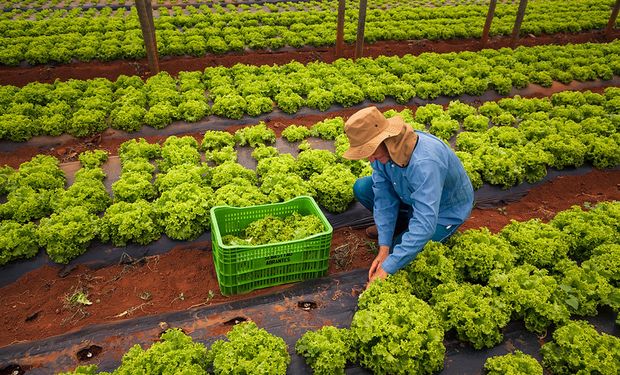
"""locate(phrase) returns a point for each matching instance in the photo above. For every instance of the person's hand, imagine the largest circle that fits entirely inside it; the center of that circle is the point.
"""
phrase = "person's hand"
(379, 274)
(375, 268)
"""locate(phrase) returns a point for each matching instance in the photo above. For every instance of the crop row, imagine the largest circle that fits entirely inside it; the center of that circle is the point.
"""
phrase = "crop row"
(83, 108)
(36, 6)
(528, 135)
(108, 35)
(170, 188)
(176, 201)
(543, 274)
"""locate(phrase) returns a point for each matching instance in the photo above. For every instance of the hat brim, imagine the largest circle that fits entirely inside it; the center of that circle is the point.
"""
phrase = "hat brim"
(395, 126)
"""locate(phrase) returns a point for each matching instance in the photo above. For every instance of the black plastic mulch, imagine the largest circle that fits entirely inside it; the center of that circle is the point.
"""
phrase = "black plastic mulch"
(288, 314)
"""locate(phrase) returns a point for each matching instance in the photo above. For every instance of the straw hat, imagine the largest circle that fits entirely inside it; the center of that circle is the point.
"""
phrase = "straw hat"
(367, 128)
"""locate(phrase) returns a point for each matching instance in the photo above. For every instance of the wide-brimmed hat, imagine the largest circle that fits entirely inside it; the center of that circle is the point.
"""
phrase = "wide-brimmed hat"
(366, 129)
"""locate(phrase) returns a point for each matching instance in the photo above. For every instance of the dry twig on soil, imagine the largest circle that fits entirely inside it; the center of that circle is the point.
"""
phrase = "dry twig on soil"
(130, 310)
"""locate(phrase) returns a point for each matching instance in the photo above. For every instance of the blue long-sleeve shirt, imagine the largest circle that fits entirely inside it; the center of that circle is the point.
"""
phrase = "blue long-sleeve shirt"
(434, 183)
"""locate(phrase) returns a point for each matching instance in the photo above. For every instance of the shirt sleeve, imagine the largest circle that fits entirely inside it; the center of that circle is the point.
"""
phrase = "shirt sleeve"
(385, 210)
(427, 182)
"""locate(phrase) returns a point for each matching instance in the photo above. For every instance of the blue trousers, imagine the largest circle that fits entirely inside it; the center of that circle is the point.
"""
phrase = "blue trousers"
(362, 189)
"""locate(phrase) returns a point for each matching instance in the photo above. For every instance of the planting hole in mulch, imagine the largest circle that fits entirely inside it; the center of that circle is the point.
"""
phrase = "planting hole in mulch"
(165, 326)
(65, 271)
(32, 317)
(12, 369)
(307, 305)
(89, 353)
(235, 321)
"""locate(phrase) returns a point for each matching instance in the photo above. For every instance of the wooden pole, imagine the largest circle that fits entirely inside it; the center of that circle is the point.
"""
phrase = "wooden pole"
(612, 19)
(145, 14)
(361, 23)
(517, 28)
(487, 24)
(340, 29)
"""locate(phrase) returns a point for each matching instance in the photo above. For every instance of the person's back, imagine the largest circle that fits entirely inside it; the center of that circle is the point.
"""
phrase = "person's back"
(458, 193)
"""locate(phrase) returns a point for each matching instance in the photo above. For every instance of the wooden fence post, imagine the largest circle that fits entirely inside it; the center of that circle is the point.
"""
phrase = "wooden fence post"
(612, 19)
(145, 14)
(361, 23)
(487, 24)
(517, 28)
(340, 29)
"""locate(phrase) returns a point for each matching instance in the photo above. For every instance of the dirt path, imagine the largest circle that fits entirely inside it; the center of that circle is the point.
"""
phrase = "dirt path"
(35, 306)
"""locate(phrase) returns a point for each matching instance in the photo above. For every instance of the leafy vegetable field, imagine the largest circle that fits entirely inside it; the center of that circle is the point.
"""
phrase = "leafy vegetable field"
(63, 35)
(469, 289)
(108, 175)
(83, 108)
(169, 188)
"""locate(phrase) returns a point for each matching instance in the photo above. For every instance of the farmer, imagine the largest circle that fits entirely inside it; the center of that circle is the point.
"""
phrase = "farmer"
(418, 191)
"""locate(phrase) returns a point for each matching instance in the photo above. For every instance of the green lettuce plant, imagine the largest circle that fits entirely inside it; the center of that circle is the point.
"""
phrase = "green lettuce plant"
(255, 135)
(473, 311)
(477, 253)
(126, 222)
(533, 295)
(17, 241)
(513, 364)
(334, 187)
(578, 348)
(399, 335)
(249, 349)
(239, 193)
(327, 350)
(536, 243)
(183, 211)
(67, 234)
(93, 158)
(296, 133)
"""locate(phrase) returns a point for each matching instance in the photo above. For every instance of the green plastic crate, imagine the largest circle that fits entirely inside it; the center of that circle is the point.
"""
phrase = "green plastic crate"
(242, 269)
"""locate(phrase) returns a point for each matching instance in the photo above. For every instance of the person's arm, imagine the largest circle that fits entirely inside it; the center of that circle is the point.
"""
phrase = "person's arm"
(385, 210)
(427, 181)
(385, 213)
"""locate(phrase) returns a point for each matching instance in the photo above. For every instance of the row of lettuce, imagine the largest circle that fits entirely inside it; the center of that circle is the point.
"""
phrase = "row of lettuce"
(83, 108)
(176, 201)
(543, 274)
(274, 6)
(110, 35)
(170, 188)
(528, 136)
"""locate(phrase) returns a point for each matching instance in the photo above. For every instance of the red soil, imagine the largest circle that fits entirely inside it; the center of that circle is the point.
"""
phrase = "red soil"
(21, 76)
(34, 307)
